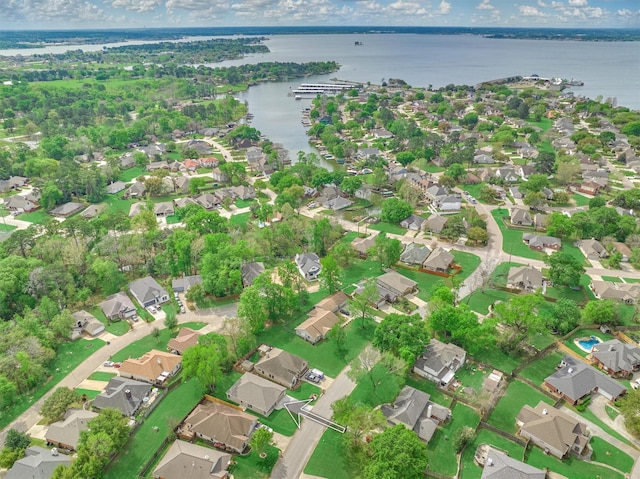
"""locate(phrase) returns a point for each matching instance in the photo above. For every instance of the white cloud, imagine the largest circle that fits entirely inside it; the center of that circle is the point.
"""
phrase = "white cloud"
(485, 5)
(70, 11)
(444, 8)
(578, 3)
(529, 11)
(542, 4)
(139, 6)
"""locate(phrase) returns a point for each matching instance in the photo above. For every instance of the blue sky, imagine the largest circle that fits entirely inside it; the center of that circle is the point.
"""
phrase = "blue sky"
(52, 14)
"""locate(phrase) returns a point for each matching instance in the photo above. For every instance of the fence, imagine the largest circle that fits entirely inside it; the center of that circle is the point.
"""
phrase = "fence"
(145, 469)
(506, 435)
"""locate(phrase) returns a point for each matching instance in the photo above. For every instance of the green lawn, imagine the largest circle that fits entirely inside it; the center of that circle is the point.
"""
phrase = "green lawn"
(585, 333)
(518, 394)
(244, 203)
(538, 370)
(324, 355)
(480, 301)
(388, 228)
(608, 454)
(241, 219)
(512, 239)
(570, 467)
(68, 357)
(495, 357)
(328, 458)
(544, 124)
(89, 393)
(115, 203)
(474, 190)
(131, 173)
(469, 468)
(581, 200)
(38, 217)
(6, 228)
(102, 376)
(147, 439)
(590, 416)
(428, 387)
(426, 282)
(616, 279)
(172, 220)
(117, 328)
(440, 452)
(387, 387)
(611, 412)
(253, 467)
(468, 261)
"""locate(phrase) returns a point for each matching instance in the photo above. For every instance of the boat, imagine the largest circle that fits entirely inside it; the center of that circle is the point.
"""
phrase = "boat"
(359, 44)
(340, 161)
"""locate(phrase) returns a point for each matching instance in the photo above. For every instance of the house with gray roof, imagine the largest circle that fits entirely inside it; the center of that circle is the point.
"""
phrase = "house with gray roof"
(250, 272)
(65, 434)
(575, 380)
(148, 292)
(92, 211)
(541, 242)
(124, 394)
(118, 306)
(182, 202)
(20, 204)
(182, 285)
(391, 287)
(244, 192)
(626, 292)
(593, 249)
(416, 411)
(439, 260)
(208, 201)
(507, 174)
(526, 278)
(136, 208)
(497, 465)
(616, 358)
(515, 192)
(413, 223)
(521, 217)
(449, 203)
(37, 463)
(436, 223)
(256, 393)
(415, 254)
(309, 265)
(483, 159)
(281, 367)
(135, 190)
(439, 362)
(362, 245)
(116, 187)
(184, 460)
(338, 203)
(163, 209)
(553, 431)
(85, 322)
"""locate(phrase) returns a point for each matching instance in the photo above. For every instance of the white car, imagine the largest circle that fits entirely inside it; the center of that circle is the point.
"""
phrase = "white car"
(635, 384)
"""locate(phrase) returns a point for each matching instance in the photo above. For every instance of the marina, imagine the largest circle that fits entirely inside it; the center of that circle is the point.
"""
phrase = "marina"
(312, 90)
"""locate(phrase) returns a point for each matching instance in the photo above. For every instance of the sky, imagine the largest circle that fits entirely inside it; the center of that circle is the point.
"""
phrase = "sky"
(66, 14)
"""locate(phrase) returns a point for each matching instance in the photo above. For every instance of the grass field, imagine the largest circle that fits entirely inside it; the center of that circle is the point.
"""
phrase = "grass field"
(480, 301)
(581, 200)
(468, 261)
(253, 467)
(241, 219)
(512, 239)
(608, 454)
(570, 467)
(102, 376)
(387, 387)
(470, 470)
(68, 357)
(148, 437)
(440, 452)
(89, 393)
(538, 370)
(426, 282)
(518, 394)
(328, 458)
(428, 387)
(244, 203)
(117, 328)
(38, 217)
(388, 228)
(6, 228)
(131, 173)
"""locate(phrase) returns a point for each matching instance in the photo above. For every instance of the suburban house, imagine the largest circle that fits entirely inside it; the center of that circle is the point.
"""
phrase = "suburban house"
(37, 463)
(309, 265)
(483, 159)
(317, 325)
(436, 223)
(337, 203)
(163, 209)
(65, 434)
(575, 380)
(415, 254)
(449, 204)
(593, 249)
(623, 249)
(497, 465)
(244, 192)
(92, 211)
(333, 303)
(413, 223)
(20, 204)
(118, 306)
(362, 245)
(182, 285)
(439, 362)
(541, 242)
(208, 201)
(526, 278)
(148, 292)
(125, 395)
(515, 192)
(154, 367)
(256, 393)
(250, 272)
(507, 174)
(135, 190)
(219, 175)
(553, 431)
(220, 424)
(625, 292)
(85, 322)
(186, 338)
(182, 202)
(521, 217)
(540, 221)
(616, 358)
(439, 260)
(414, 409)
(391, 287)
(281, 367)
(184, 460)
(67, 209)
(136, 208)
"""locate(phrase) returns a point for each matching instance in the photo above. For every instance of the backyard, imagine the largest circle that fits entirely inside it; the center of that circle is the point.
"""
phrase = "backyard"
(517, 395)
(470, 470)
(538, 370)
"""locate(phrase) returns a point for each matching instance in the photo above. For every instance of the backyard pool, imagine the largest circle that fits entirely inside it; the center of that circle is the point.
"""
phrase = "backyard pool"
(586, 344)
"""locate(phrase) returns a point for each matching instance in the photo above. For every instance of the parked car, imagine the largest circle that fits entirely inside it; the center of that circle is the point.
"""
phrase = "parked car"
(345, 312)
(152, 309)
(312, 377)
(108, 364)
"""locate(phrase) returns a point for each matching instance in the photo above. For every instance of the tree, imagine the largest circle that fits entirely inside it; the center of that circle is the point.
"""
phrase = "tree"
(478, 235)
(629, 406)
(361, 304)
(56, 405)
(396, 452)
(260, 440)
(402, 335)
(560, 225)
(456, 171)
(566, 315)
(386, 250)
(8, 391)
(568, 172)
(207, 361)
(459, 325)
(351, 184)
(15, 439)
(545, 163)
(405, 157)
(536, 200)
(241, 339)
(339, 336)
(360, 420)
(170, 319)
(395, 210)
(518, 318)
(374, 366)
(564, 268)
(600, 312)
(330, 275)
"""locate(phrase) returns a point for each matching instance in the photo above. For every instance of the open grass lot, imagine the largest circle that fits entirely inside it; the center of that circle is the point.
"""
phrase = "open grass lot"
(388, 228)
(571, 467)
(69, 356)
(496, 358)
(116, 203)
(172, 220)
(324, 355)
(538, 370)
(608, 454)
(38, 217)
(328, 458)
(102, 376)
(468, 261)
(512, 239)
(117, 328)
(580, 296)
(426, 282)
(581, 200)
(359, 270)
(253, 467)
(480, 301)
(89, 393)
(518, 394)
(470, 470)
(440, 451)
(131, 173)
(145, 440)
(428, 387)
(241, 219)
(387, 387)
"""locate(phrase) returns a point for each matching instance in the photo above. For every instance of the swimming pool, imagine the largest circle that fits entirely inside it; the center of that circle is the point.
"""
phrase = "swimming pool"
(586, 344)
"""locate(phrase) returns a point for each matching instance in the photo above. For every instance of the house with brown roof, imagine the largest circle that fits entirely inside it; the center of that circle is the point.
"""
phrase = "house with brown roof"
(593, 249)
(623, 249)
(67, 209)
(250, 272)
(154, 367)
(435, 224)
(281, 367)
(184, 460)
(362, 245)
(317, 325)
(186, 338)
(65, 434)
(20, 204)
(333, 303)
(553, 431)
(256, 393)
(439, 260)
(220, 424)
